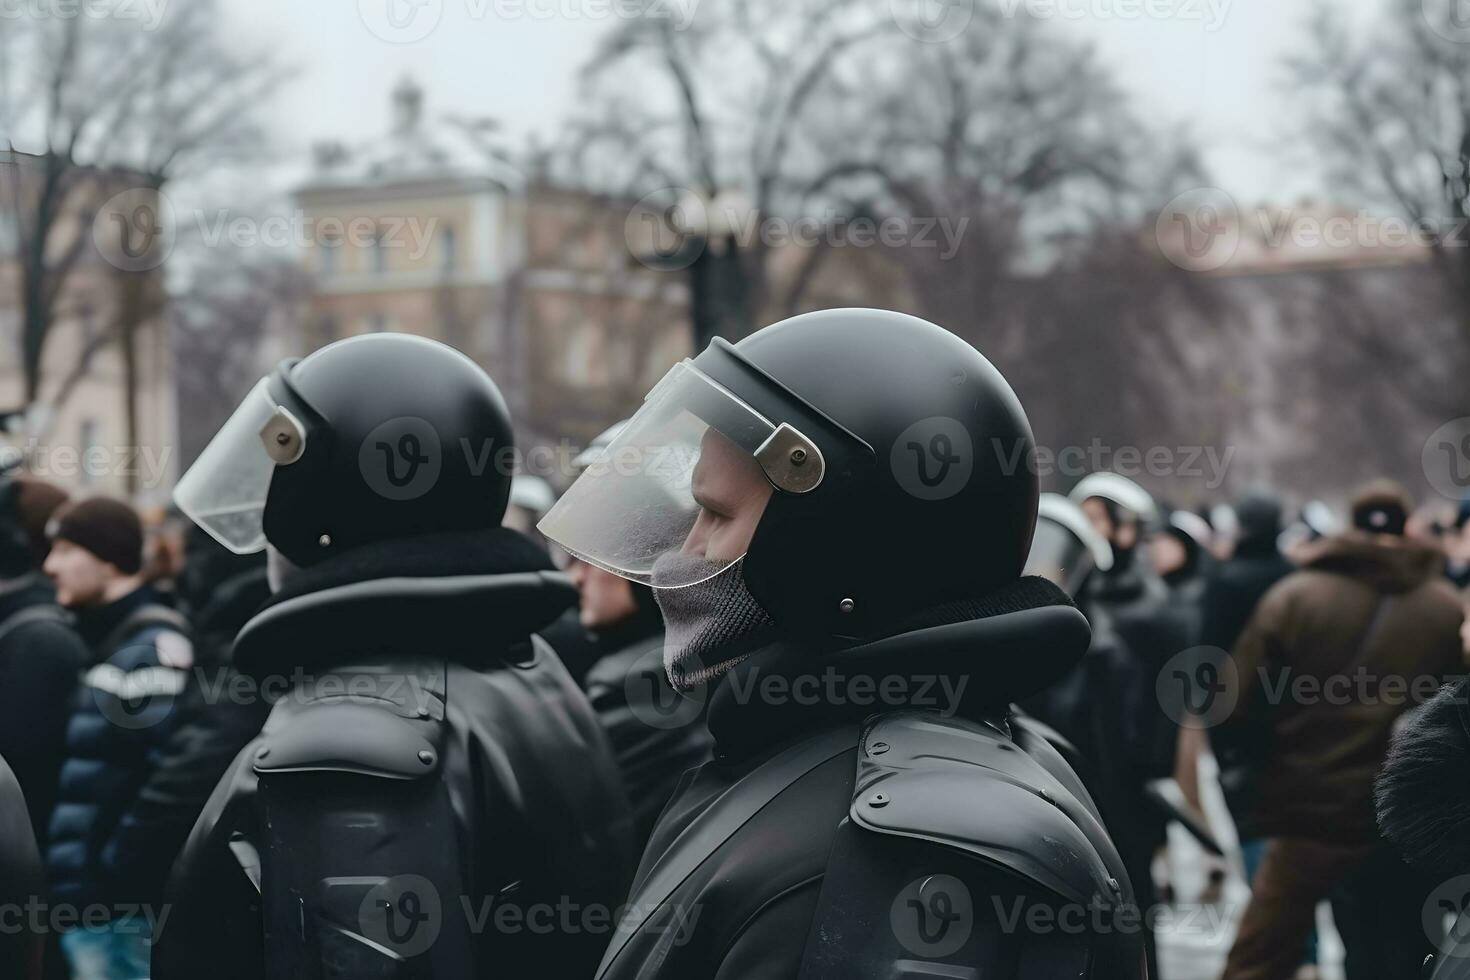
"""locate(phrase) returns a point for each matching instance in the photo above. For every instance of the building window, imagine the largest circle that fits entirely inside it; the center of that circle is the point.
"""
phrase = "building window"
(622, 357)
(326, 330)
(579, 350)
(380, 255)
(446, 251)
(86, 439)
(327, 251)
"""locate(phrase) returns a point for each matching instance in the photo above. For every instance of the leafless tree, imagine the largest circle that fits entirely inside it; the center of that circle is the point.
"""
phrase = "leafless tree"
(219, 324)
(1389, 121)
(113, 103)
(712, 114)
(1008, 135)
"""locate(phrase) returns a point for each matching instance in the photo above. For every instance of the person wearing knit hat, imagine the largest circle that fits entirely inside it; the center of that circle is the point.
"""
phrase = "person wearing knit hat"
(1381, 507)
(121, 720)
(90, 534)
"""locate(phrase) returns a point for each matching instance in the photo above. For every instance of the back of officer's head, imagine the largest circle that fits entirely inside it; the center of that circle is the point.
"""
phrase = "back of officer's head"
(403, 436)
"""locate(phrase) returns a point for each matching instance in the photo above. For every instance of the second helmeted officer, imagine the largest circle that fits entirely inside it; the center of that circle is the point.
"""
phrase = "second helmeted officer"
(432, 795)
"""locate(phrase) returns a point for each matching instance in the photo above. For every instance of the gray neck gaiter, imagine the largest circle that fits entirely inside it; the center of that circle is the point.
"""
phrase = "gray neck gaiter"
(709, 627)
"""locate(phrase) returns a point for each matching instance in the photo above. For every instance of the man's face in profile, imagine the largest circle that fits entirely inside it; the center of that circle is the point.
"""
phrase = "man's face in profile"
(731, 491)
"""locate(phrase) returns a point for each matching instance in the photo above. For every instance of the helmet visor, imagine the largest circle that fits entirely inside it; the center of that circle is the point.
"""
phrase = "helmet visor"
(1058, 554)
(224, 491)
(675, 498)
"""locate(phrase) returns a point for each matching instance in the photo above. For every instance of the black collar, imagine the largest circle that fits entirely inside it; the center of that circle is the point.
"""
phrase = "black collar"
(465, 597)
(97, 623)
(1014, 643)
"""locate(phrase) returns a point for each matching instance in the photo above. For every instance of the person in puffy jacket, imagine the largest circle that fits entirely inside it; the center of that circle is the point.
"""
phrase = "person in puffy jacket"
(122, 717)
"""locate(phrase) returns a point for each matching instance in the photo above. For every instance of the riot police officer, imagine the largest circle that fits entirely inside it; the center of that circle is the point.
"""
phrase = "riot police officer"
(432, 795)
(834, 515)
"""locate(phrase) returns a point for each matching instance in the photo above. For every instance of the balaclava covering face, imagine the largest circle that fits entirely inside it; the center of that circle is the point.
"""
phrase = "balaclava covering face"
(710, 626)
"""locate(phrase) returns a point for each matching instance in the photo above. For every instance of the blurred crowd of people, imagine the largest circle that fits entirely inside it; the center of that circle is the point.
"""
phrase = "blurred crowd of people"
(1291, 651)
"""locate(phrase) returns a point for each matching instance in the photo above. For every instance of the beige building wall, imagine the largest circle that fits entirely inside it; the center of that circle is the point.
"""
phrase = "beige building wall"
(80, 439)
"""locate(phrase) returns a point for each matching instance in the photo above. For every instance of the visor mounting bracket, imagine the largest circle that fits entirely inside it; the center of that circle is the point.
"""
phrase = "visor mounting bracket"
(284, 437)
(791, 461)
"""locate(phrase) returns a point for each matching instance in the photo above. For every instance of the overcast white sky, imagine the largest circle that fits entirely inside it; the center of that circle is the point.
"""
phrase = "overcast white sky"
(1210, 64)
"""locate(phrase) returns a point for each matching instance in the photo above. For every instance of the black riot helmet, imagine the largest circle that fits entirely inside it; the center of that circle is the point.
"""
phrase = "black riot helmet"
(888, 464)
(375, 437)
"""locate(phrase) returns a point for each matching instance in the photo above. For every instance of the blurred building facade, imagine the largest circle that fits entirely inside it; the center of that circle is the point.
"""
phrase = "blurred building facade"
(533, 282)
(77, 432)
(1334, 353)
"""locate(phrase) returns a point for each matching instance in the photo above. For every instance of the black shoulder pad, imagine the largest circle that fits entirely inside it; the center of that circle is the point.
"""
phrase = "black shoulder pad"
(967, 785)
(347, 736)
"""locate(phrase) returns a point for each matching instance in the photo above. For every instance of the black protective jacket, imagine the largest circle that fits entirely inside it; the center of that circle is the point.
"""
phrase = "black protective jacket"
(40, 659)
(431, 796)
(22, 884)
(878, 811)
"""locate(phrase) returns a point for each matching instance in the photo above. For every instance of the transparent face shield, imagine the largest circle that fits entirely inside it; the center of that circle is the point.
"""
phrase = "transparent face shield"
(675, 498)
(1058, 555)
(224, 492)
